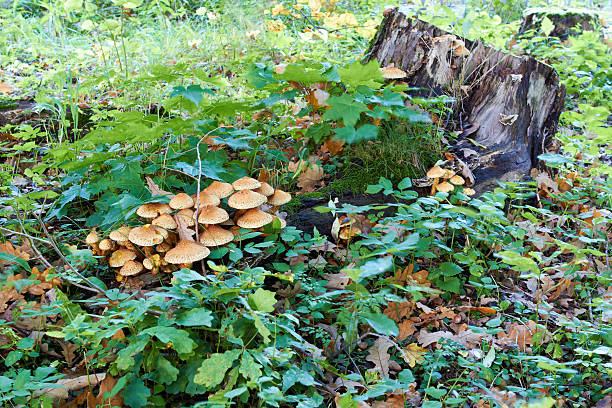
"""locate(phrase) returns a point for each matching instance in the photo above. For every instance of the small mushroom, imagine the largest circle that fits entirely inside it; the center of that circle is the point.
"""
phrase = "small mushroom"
(187, 250)
(165, 221)
(187, 217)
(392, 73)
(435, 173)
(106, 246)
(120, 236)
(205, 199)
(92, 240)
(152, 210)
(445, 187)
(468, 191)
(457, 180)
(120, 257)
(213, 235)
(246, 183)
(130, 268)
(219, 189)
(254, 218)
(277, 199)
(212, 215)
(181, 201)
(246, 199)
(146, 236)
(265, 189)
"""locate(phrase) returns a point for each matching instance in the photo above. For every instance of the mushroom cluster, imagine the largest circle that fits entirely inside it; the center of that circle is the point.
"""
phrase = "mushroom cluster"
(167, 241)
(445, 180)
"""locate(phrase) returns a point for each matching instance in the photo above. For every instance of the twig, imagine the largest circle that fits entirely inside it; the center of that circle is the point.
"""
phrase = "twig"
(25, 235)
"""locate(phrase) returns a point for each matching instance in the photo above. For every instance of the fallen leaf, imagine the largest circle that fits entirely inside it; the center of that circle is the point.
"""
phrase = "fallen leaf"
(406, 329)
(399, 310)
(333, 147)
(5, 88)
(107, 385)
(414, 354)
(379, 355)
(310, 178)
(336, 281)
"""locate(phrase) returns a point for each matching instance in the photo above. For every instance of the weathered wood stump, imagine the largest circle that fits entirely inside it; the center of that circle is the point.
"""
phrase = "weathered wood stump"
(506, 107)
(565, 22)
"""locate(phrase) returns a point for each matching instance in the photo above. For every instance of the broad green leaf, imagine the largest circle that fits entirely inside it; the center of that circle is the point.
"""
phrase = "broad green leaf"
(344, 107)
(196, 317)
(547, 26)
(179, 339)
(262, 329)
(12, 258)
(262, 300)
(351, 135)
(166, 372)
(381, 324)
(297, 375)
(356, 74)
(212, 371)
(136, 393)
(249, 368)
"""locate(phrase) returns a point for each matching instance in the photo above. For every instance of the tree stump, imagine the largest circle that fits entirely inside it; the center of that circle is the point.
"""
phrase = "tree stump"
(506, 107)
(563, 21)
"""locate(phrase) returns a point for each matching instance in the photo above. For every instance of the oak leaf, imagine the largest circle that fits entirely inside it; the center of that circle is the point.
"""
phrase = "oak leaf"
(414, 354)
(310, 178)
(379, 355)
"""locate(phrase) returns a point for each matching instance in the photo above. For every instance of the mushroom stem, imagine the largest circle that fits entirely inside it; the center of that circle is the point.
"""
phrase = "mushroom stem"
(433, 186)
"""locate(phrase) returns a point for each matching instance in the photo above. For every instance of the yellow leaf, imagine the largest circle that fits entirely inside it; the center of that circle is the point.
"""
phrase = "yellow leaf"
(414, 354)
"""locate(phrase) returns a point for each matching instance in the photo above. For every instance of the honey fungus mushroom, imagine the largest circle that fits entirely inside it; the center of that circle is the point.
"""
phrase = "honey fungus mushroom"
(120, 257)
(265, 189)
(212, 234)
(246, 183)
(186, 250)
(92, 240)
(152, 210)
(181, 201)
(219, 189)
(254, 218)
(246, 199)
(277, 199)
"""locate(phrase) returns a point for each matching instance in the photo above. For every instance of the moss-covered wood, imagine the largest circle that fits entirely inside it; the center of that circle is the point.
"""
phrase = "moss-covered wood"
(565, 22)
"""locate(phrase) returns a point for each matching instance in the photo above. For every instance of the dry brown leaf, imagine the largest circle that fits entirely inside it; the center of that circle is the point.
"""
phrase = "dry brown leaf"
(333, 147)
(8, 295)
(406, 329)
(309, 179)
(8, 248)
(467, 338)
(107, 386)
(336, 281)
(519, 333)
(379, 355)
(399, 310)
(68, 350)
(5, 88)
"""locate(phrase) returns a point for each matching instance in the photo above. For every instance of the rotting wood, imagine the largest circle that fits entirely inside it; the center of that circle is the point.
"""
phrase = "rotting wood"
(565, 22)
(506, 107)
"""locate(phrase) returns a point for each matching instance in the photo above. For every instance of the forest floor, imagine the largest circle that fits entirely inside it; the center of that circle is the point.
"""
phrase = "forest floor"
(366, 289)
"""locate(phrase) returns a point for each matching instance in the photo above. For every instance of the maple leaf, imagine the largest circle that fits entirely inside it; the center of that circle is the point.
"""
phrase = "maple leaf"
(379, 355)
(351, 135)
(346, 108)
(356, 74)
(413, 354)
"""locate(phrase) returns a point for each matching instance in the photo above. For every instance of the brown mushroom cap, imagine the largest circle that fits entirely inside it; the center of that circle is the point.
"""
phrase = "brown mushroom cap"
(165, 221)
(148, 264)
(163, 247)
(147, 235)
(130, 268)
(246, 199)
(265, 189)
(445, 187)
(152, 210)
(186, 252)
(214, 235)
(92, 238)
(469, 191)
(279, 198)
(181, 201)
(206, 199)
(457, 180)
(436, 172)
(187, 217)
(392, 73)
(105, 245)
(219, 189)
(120, 235)
(246, 183)
(120, 257)
(348, 232)
(212, 215)
(254, 218)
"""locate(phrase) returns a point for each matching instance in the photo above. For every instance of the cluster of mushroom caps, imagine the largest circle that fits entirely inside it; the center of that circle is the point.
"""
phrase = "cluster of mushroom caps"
(167, 240)
(446, 180)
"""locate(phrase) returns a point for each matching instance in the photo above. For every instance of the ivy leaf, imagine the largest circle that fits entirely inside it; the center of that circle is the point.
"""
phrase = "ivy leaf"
(180, 339)
(297, 375)
(213, 369)
(166, 372)
(350, 135)
(196, 317)
(346, 108)
(262, 300)
(356, 74)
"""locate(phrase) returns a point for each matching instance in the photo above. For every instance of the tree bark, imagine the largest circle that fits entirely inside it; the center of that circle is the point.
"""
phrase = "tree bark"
(489, 88)
(564, 22)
